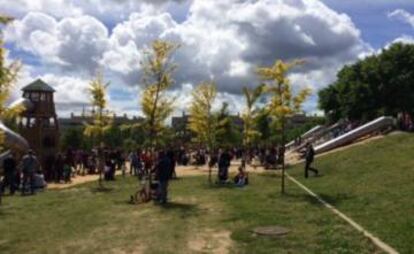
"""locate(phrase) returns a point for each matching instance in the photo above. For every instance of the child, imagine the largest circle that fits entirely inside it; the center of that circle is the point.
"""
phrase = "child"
(241, 178)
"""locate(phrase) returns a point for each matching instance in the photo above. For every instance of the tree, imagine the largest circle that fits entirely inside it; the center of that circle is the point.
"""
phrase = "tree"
(101, 120)
(202, 121)
(72, 138)
(135, 132)
(375, 86)
(228, 134)
(250, 113)
(8, 78)
(157, 70)
(283, 103)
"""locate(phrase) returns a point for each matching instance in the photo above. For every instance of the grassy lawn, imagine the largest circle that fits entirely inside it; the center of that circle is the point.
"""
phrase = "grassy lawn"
(200, 219)
(374, 184)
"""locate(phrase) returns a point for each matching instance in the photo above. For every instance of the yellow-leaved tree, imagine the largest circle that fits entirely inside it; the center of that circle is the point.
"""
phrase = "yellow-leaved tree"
(157, 69)
(250, 112)
(101, 122)
(8, 78)
(283, 103)
(202, 121)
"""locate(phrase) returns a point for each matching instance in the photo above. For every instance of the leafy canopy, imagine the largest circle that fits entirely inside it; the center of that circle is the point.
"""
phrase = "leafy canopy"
(202, 121)
(102, 122)
(249, 115)
(8, 77)
(283, 102)
(157, 78)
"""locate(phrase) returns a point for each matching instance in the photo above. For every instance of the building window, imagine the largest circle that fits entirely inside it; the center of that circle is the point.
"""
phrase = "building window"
(34, 96)
(42, 97)
(52, 122)
(32, 122)
(23, 122)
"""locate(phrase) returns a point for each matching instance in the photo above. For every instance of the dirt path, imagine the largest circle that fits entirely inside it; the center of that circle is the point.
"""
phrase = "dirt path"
(182, 171)
(185, 171)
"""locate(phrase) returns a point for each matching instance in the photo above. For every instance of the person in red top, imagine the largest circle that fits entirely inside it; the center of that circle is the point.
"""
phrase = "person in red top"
(147, 159)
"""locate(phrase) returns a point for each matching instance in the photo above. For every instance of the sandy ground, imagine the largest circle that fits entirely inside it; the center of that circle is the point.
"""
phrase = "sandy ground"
(182, 171)
(185, 171)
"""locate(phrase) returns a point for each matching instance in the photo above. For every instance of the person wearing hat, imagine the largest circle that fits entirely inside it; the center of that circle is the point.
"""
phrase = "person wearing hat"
(29, 166)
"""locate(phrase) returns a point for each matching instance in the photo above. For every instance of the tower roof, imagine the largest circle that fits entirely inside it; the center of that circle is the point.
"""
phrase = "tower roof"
(39, 86)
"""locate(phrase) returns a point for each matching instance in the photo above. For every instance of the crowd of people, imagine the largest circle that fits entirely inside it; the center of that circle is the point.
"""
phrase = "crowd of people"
(27, 176)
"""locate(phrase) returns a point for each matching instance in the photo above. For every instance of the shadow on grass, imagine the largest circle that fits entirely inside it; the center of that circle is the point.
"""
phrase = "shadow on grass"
(332, 200)
(184, 210)
(270, 174)
(101, 189)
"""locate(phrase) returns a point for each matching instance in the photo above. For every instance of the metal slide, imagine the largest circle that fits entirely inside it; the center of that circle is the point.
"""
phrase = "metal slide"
(378, 124)
(306, 135)
(13, 140)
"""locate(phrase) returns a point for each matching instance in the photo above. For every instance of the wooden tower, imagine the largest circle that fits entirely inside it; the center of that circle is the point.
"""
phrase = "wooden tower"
(39, 126)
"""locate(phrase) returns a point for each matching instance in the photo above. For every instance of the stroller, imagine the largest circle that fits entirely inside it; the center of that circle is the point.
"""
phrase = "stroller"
(147, 192)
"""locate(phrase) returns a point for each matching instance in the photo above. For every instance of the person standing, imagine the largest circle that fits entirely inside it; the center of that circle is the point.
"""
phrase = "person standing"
(164, 171)
(171, 156)
(309, 156)
(223, 166)
(133, 163)
(29, 166)
(59, 163)
(10, 173)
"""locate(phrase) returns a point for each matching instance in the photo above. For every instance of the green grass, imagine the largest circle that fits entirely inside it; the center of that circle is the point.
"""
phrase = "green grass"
(200, 219)
(373, 184)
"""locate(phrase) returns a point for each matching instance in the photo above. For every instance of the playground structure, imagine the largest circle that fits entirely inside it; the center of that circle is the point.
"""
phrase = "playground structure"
(38, 128)
(12, 140)
(326, 138)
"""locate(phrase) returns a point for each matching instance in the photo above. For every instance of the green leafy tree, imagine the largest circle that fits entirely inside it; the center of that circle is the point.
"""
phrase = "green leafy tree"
(72, 138)
(202, 120)
(283, 102)
(102, 122)
(135, 132)
(8, 77)
(250, 132)
(228, 134)
(156, 105)
(375, 86)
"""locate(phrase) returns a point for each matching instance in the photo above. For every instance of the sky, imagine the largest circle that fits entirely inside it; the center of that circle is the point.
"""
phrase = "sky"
(65, 42)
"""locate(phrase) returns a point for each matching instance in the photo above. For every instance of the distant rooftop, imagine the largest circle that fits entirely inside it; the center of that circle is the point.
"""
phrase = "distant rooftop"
(39, 86)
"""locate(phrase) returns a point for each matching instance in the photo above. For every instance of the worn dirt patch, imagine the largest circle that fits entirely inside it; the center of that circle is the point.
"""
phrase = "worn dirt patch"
(139, 249)
(211, 241)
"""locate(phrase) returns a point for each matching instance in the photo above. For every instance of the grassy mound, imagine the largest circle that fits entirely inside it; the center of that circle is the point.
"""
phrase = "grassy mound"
(200, 219)
(373, 184)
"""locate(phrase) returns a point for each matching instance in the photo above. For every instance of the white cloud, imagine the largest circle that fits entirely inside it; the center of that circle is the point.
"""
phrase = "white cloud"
(77, 43)
(221, 40)
(403, 16)
(107, 10)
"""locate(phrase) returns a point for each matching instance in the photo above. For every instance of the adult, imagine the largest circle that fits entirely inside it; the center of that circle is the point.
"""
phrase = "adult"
(10, 173)
(223, 165)
(163, 170)
(171, 156)
(29, 166)
(134, 161)
(309, 156)
(59, 163)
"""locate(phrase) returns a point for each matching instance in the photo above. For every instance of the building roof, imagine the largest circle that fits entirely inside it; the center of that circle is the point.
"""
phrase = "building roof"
(39, 86)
